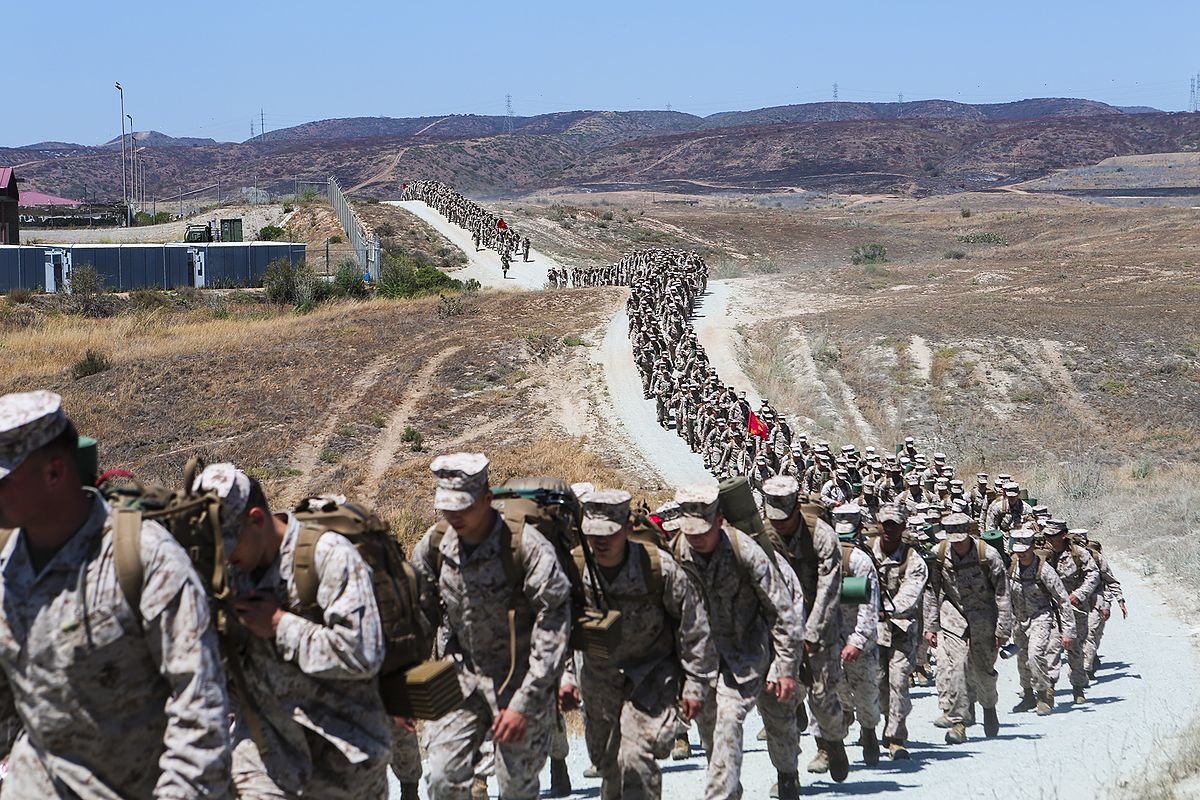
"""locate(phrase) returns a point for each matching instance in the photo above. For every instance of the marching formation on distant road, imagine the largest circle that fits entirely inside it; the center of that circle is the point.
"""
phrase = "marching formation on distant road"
(198, 641)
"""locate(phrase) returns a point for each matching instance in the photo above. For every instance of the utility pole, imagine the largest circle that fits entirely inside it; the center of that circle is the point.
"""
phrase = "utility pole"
(835, 91)
(262, 122)
(252, 127)
(132, 167)
(508, 109)
(124, 186)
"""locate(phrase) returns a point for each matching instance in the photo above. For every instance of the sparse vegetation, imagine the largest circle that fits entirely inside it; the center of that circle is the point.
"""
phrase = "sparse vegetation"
(964, 212)
(413, 438)
(271, 233)
(400, 277)
(91, 364)
(955, 255)
(873, 253)
(982, 238)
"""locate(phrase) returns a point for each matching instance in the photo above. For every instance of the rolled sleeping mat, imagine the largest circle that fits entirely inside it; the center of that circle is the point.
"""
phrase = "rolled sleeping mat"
(736, 501)
(87, 460)
(855, 590)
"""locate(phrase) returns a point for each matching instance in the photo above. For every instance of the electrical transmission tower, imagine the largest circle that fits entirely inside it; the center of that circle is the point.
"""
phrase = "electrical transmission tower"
(835, 92)
(668, 107)
(509, 111)
(900, 97)
(1194, 97)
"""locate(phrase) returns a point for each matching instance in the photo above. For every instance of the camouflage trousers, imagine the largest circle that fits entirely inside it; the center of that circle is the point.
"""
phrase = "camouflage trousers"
(1075, 653)
(721, 721)
(624, 741)
(896, 665)
(1040, 651)
(783, 734)
(969, 669)
(453, 744)
(332, 775)
(560, 747)
(858, 690)
(823, 703)
(1091, 648)
(406, 755)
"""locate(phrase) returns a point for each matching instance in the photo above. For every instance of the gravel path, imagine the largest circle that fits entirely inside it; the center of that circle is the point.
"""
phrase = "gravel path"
(484, 265)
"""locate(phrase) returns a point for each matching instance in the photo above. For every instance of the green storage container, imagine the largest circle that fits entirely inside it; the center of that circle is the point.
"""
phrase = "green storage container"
(855, 590)
(736, 501)
(87, 459)
(231, 230)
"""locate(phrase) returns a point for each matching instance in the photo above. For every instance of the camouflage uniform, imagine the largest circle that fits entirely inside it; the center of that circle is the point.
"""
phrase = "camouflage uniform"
(858, 690)
(406, 755)
(1039, 602)
(968, 607)
(752, 618)
(326, 731)
(1081, 577)
(475, 595)
(1110, 592)
(665, 652)
(898, 633)
(115, 702)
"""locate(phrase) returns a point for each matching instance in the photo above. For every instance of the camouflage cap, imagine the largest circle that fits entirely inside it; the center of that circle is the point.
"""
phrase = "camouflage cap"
(605, 511)
(939, 457)
(912, 479)
(233, 487)
(28, 421)
(1055, 527)
(1012, 489)
(890, 513)
(957, 527)
(847, 518)
(981, 477)
(1021, 539)
(1080, 535)
(697, 507)
(909, 440)
(462, 478)
(868, 488)
(779, 496)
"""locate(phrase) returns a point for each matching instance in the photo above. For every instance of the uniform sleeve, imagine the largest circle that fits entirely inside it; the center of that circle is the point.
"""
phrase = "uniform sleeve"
(348, 643)
(867, 623)
(547, 590)
(991, 517)
(693, 640)
(423, 562)
(906, 604)
(1091, 575)
(823, 616)
(183, 644)
(1054, 587)
(1004, 617)
(777, 602)
(932, 600)
(1112, 586)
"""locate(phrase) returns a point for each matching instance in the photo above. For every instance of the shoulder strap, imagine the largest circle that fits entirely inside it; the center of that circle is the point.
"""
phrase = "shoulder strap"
(654, 578)
(981, 548)
(127, 555)
(435, 546)
(1077, 559)
(304, 565)
(510, 555)
(941, 553)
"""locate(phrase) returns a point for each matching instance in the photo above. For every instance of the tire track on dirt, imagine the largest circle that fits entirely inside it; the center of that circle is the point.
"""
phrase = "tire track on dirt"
(306, 457)
(391, 438)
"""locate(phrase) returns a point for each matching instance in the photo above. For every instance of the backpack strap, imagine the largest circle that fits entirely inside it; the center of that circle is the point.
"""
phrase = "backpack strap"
(304, 566)
(940, 555)
(127, 556)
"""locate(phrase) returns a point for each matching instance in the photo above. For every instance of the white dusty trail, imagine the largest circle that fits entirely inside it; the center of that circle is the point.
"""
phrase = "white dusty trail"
(483, 266)
(1147, 690)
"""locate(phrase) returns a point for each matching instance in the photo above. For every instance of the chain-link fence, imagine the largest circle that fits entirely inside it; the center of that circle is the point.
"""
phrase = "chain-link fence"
(361, 238)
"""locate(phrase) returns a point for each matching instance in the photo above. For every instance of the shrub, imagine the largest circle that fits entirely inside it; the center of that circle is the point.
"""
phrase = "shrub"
(386, 229)
(607, 216)
(400, 277)
(148, 299)
(414, 438)
(981, 238)
(20, 296)
(964, 212)
(348, 282)
(271, 233)
(574, 341)
(288, 208)
(294, 284)
(90, 364)
(309, 196)
(86, 281)
(956, 255)
(873, 253)
(451, 306)
(335, 239)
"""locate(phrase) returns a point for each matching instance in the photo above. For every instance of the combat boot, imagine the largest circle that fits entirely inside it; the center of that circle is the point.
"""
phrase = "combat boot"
(682, 749)
(1078, 698)
(408, 791)
(479, 789)
(943, 721)
(1028, 701)
(820, 762)
(957, 734)
(991, 722)
(1045, 703)
(801, 718)
(839, 764)
(560, 779)
(870, 746)
(897, 750)
(788, 786)
(969, 720)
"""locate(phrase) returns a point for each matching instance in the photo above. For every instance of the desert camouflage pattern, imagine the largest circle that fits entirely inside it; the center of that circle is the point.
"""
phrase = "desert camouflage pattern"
(898, 634)
(116, 702)
(1040, 612)
(858, 690)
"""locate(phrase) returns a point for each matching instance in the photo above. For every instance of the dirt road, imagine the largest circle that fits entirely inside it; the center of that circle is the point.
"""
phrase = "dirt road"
(483, 266)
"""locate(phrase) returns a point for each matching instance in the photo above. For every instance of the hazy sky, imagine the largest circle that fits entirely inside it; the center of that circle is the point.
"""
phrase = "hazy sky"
(206, 69)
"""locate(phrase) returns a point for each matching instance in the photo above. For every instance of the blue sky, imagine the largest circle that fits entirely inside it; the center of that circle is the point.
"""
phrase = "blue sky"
(206, 69)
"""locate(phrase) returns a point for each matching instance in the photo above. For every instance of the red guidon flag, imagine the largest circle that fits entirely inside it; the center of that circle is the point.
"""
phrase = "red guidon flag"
(502, 225)
(757, 427)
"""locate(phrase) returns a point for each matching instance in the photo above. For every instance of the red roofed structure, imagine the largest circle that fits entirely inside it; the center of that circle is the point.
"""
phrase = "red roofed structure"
(10, 230)
(42, 199)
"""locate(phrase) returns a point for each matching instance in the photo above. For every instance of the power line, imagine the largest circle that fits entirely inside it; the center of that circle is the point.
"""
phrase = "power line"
(508, 110)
